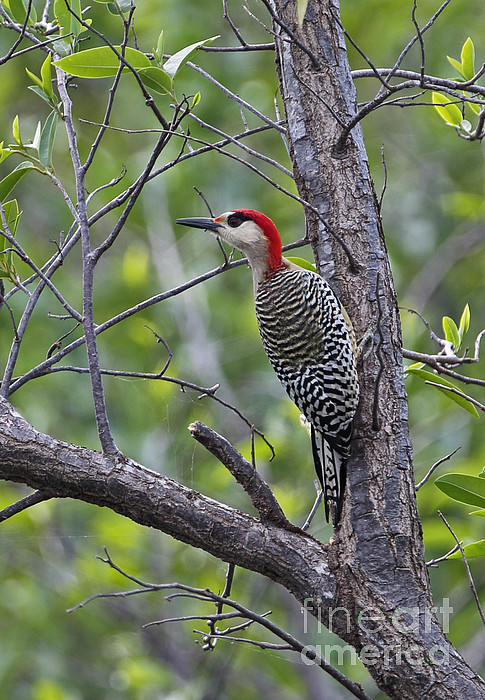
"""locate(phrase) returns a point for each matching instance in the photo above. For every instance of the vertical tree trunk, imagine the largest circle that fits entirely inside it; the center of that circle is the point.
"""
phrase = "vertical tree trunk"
(377, 556)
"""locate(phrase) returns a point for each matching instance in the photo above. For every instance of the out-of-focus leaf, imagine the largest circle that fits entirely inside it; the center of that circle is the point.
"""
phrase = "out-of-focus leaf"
(463, 488)
(447, 110)
(451, 332)
(100, 62)
(466, 205)
(173, 64)
(436, 381)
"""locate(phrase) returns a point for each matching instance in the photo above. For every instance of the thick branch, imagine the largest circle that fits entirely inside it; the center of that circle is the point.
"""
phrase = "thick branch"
(295, 560)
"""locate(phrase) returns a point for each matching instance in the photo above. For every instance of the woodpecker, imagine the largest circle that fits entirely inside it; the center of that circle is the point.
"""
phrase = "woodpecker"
(308, 338)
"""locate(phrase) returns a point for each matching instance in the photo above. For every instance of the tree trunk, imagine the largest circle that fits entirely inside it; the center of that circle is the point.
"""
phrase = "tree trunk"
(377, 556)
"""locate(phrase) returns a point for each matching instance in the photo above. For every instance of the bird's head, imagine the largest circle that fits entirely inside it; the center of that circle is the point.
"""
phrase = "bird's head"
(249, 231)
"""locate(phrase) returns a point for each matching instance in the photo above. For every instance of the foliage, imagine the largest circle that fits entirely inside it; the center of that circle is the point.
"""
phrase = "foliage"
(48, 553)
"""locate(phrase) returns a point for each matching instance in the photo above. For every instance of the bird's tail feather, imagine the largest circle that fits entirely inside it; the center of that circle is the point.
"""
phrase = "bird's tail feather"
(331, 468)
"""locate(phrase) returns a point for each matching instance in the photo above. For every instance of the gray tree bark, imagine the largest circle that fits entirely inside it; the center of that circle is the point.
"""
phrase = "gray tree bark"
(374, 567)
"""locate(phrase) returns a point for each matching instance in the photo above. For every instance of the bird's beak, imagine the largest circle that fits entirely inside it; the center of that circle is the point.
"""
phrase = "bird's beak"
(205, 223)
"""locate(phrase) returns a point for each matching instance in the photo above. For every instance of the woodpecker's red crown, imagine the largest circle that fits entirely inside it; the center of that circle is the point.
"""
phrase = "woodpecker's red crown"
(238, 216)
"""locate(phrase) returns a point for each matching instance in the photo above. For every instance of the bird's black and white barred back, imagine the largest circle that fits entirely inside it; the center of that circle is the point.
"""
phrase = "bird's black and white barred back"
(311, 349)
(308, 339)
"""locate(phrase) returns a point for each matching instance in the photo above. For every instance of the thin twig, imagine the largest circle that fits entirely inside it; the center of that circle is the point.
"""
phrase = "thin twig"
(457, 392)
(435, 466)
(31, 500)
(467, 568)
(205, 594)
(435, 562)
(315, 506)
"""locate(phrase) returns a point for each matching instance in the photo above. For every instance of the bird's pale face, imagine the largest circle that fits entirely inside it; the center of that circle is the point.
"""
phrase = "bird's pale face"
(249, 231)
(233, 227)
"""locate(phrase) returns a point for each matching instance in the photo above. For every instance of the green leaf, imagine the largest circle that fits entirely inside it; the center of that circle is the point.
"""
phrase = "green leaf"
(100, 62)
(12, 216)
(62, 15)
(476, 109)
(415, 365)
(4, 153)
(119, 7)
(9, 182)
(38, 91)
(195, 100)
(175, 62)
(47, 140)
(464, 322)
(156, 79)
(468, 59)
(18, 10)
(301, 10)
(75, 25)
(159, 50)
(480, 513)
(16, 131)
(36, 139)
(451, 332)
(436, 381)
(45, 74)
(65, 19)
(62, 47)
(447, 111)
(456, 65)
(301, 262)
(36, 80)
(463, 488)
(472, 551)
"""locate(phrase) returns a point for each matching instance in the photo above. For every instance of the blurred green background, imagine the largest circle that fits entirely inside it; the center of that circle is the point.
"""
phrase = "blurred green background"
(433, 216)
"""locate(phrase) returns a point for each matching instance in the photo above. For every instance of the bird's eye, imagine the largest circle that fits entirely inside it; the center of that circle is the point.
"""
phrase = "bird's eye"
(234, 220)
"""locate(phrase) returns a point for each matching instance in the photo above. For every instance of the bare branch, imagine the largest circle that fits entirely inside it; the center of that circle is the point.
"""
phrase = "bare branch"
(104, 431)
(467, 568)
(31, 500)
(435, 466)
(435, 562)
(257, 489)
(457, 392)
